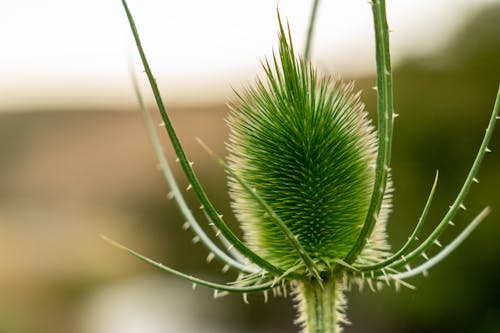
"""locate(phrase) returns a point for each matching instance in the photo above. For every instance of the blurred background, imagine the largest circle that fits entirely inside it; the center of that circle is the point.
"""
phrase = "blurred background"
(76, 162)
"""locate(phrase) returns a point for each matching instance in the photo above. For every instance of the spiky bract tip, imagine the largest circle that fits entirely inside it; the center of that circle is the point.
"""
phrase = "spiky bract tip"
(305, 145)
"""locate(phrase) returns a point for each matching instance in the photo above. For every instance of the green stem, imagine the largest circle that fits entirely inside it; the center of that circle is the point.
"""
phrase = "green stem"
(385, 124)
(319, 306)
(457, 204)
(310, 30)
(186, 165)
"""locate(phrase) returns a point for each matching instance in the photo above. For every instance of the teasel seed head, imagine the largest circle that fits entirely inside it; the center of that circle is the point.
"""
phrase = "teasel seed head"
(306, 146)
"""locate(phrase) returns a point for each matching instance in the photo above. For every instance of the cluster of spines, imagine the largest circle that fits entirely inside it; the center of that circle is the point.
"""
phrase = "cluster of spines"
(341, 188)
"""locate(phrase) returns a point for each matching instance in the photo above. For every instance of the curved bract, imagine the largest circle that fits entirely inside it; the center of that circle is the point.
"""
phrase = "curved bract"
(310, 184)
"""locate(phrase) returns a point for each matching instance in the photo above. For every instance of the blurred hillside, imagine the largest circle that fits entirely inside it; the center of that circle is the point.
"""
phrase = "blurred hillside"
(66, 177)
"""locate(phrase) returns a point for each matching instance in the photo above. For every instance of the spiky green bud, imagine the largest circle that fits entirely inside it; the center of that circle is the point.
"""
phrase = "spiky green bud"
(306, 146)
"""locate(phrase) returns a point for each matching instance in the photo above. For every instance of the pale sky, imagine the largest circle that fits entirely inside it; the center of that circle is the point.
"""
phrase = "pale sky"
(59, 53)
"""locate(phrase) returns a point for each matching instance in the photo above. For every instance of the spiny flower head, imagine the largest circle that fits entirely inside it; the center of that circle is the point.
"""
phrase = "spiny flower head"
(304, 144)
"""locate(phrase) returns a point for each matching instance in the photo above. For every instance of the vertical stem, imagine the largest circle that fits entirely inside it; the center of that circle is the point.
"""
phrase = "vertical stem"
(310, 30)
(319, 306)
(385, 123)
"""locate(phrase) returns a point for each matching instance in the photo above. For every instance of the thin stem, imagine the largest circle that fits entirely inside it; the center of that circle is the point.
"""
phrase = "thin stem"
(447, 250)
(186, 165)
(177, 195)
(217, 286)
(458, 203)
(385, 124)
(310, 30)
(410, 240)
(229, 247)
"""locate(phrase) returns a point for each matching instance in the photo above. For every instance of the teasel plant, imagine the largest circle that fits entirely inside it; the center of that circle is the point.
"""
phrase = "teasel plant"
(310, 184)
